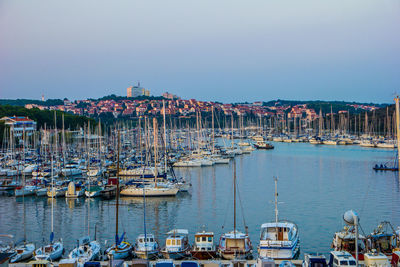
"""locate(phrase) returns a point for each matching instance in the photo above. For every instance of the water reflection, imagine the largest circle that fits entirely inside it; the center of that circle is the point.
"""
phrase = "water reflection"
(316, 183)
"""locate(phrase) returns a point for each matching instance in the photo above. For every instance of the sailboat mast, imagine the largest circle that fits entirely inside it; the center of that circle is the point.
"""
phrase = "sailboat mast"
(116, 210)
(23, 174)
(165, 139)
(234, 197)
(52, 193)
(155, 150)
(398, 129)
(232, 129)
(276, 199)
(88, 167)
(212, 122)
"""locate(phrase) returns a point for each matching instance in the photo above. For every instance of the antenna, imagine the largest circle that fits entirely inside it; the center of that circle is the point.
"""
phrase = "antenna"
(276, 199)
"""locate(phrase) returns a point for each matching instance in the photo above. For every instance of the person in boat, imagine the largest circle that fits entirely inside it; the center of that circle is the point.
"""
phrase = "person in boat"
(381, 166)
(376, 166)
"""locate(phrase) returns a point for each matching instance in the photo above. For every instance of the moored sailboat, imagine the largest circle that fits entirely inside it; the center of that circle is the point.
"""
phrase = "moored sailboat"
(120, 249)
(54, 250)
(235, 244)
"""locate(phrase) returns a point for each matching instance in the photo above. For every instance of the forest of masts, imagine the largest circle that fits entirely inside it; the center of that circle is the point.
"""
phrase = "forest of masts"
(362, 124)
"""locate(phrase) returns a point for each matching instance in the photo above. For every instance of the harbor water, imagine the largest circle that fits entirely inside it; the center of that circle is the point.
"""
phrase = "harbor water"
(316, 185)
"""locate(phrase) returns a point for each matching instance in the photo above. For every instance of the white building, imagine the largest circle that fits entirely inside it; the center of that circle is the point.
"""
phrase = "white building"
(135, 91)
(20, 124)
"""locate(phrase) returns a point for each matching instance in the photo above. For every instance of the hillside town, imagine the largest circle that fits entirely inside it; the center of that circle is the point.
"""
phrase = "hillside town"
(138, 102)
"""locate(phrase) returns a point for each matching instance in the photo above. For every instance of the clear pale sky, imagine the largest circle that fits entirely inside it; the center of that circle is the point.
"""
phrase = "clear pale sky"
(223, 50)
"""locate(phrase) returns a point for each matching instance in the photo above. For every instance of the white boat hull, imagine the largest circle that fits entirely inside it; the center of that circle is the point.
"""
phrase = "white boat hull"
(50, 252)
(24, 252)
(149, 192)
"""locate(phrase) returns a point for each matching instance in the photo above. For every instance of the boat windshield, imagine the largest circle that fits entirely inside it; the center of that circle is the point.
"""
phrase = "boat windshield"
(235, 243)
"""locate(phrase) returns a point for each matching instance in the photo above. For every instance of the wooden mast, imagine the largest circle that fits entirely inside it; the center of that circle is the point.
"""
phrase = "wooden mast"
(116, 210)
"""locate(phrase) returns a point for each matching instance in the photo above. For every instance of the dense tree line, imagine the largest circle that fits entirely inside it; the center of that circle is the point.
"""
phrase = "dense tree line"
(23, 102)
(324, 106)
(46, 117)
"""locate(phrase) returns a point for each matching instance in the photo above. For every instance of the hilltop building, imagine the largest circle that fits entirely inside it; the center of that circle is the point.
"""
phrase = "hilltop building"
(135, 91)
(170, 96)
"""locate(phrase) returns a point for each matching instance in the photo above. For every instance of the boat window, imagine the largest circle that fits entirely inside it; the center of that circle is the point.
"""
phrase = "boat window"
(318, 264)
(352, 263)
(173, 242)
(204, 239)
(344, 263)
(178, 242)
(198, 239)
(141, 240)
(151, 240)
(168, 242)
(210, 239)
(235, 243)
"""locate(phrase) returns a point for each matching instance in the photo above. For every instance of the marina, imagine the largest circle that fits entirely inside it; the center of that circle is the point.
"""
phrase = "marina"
(325, 194)
(199, 133)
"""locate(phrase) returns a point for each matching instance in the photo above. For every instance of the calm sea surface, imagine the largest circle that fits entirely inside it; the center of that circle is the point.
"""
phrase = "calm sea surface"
(317, 184)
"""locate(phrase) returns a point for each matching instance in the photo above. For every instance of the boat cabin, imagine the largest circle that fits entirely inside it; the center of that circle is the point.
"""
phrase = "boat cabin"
(204, 241)
(345, 241)
(376, 259)
(312, 260)
(341, 259)
(147, 242)
(382, 239)
(265, 262)
(235, 241)
(164, 263)
(281, 231)
(177, 240)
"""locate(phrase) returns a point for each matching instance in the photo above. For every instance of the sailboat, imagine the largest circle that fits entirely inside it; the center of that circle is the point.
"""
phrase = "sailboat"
(54, 250)
(279, 239)
(25, 250)
(235, 244)
(120, 249)
(153, 189)
(86, 250)
(146, 246)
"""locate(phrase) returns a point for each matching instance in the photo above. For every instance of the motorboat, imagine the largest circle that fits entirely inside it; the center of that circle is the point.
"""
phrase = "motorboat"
(204, 247)
(234, 245)
(176, 245)
(376, 259)
(344, 240)
(263, 145)
(314, 260)
(74, 190)
(146, 247)
(279, 239)
(341, 259)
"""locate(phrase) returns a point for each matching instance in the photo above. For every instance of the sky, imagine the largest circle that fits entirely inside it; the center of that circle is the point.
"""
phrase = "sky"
(224, 50)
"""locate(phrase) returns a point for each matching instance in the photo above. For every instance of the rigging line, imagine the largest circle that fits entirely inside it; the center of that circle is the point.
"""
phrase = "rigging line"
(365, 197)
(228, 206)
(241, 207)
